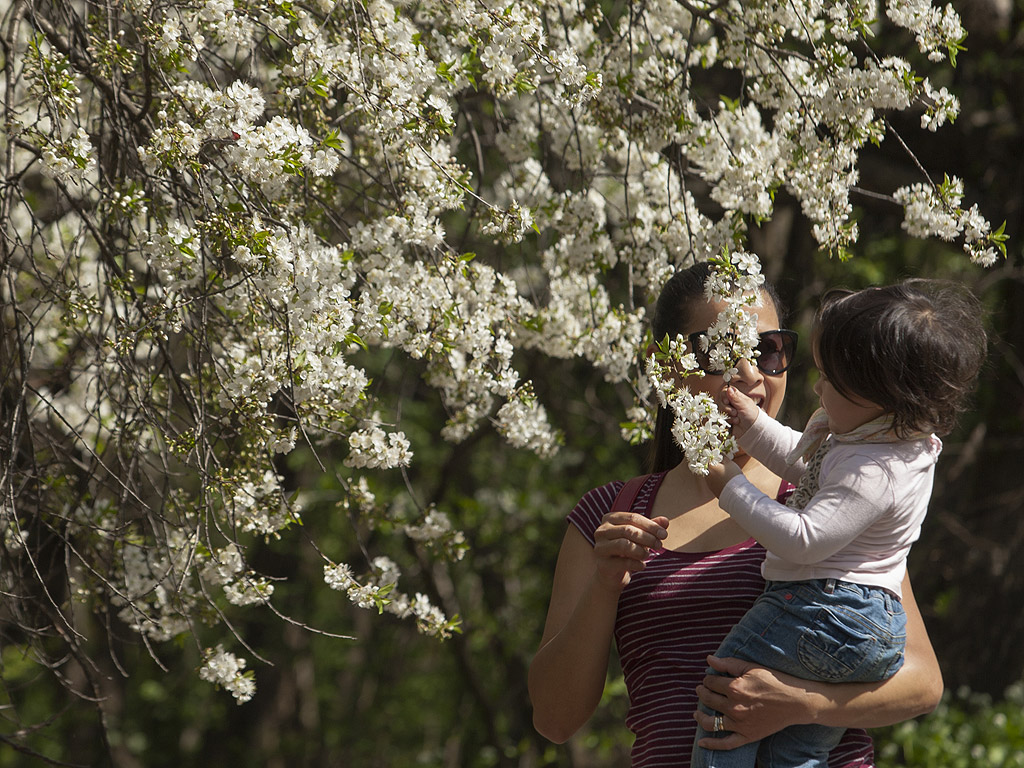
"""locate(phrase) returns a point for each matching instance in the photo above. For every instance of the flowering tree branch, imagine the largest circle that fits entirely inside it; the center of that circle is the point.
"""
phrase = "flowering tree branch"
(223, 220)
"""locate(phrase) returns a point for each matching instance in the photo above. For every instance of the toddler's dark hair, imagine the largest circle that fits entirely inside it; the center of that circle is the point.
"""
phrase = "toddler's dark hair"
(914, 348)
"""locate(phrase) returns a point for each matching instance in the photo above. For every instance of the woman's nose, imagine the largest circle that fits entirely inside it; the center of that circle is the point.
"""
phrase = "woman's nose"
(748, 371)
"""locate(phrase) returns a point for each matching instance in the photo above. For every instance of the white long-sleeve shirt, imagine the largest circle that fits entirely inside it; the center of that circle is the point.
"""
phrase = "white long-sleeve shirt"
(858, 527)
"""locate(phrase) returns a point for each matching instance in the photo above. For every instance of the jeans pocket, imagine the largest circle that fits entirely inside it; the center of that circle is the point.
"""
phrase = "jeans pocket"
(895, 662)
(833, 652)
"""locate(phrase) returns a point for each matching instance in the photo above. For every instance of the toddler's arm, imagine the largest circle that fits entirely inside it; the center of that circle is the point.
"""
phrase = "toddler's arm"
(761, 436)
(720, 474)
(742, 412)
(853, 493)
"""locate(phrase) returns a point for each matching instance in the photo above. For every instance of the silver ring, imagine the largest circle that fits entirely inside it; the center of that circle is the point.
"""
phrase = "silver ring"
(719, 724)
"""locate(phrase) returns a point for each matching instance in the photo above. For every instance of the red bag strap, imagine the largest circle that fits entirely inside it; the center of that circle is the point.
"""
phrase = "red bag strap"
(625, 497)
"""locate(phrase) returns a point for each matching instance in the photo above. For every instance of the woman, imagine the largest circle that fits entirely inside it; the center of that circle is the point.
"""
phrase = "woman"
(667, 580)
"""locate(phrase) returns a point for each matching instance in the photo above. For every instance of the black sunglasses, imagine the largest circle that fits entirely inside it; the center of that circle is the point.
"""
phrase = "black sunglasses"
(775, 352)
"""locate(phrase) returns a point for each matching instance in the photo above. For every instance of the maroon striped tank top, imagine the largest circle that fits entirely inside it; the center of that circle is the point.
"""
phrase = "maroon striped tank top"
(671, 616)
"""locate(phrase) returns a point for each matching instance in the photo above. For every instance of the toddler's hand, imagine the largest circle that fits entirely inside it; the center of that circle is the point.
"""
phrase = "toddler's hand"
(720, 474)
(740, 410)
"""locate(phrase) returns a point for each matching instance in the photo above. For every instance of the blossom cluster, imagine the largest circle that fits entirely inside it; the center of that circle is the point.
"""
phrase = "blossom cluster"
(438, 534)
(935, 210)
(700, 430)
(226, 670)
(379, 590)
(523, 422)
(374, 448)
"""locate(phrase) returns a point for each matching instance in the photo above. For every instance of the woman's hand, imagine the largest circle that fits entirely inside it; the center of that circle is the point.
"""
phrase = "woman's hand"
(622, 543)
(755, 702)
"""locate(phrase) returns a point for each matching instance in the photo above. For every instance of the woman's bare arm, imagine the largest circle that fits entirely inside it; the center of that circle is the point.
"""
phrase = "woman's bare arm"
(567, 675)
(758, 702)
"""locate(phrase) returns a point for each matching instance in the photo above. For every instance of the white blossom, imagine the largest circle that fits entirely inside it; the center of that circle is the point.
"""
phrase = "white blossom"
(374, 448)
(224, 669)
(524, 424)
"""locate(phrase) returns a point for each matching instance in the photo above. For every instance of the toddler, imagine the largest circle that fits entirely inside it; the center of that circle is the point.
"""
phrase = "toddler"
(896, 366)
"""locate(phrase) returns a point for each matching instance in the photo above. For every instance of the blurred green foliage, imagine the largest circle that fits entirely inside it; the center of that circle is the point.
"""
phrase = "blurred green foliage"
(967, 730)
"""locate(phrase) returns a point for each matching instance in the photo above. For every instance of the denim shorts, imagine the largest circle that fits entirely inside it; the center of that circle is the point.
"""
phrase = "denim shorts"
(826, 630)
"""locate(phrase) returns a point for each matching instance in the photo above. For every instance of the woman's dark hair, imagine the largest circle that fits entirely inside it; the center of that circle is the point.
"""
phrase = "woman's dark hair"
(914, 348)
(673, 315)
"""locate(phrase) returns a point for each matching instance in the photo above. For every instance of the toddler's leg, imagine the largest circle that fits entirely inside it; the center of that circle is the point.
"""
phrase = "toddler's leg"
(766, 635)
(845, 633)
(741, 757)
(799, 746)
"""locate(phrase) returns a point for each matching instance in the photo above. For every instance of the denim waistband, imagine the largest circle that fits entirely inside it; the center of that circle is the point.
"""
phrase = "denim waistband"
(828, 586)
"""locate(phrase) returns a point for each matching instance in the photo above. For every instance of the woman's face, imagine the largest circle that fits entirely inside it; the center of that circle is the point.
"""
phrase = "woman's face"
(765, 390)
